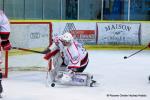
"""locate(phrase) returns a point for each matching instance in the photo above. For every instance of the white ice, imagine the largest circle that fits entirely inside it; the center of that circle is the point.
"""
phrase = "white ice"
(118, 78)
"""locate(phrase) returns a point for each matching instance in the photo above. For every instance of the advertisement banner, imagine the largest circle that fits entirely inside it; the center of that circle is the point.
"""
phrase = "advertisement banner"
(30, 35)
(83, 32)
(119, 33)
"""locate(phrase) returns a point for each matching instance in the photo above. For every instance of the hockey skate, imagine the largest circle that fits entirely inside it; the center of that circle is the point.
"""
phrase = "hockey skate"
(91, 82)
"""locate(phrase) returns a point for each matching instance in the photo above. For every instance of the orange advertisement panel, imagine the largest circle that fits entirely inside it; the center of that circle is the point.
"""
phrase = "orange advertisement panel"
(85, 36)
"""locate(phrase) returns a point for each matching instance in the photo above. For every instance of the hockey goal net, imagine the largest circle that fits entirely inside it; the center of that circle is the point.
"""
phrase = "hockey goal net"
(29, 35)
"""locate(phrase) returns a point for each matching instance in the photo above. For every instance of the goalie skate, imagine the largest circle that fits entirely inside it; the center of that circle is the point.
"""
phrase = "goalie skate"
(91, 82)
(75, 79)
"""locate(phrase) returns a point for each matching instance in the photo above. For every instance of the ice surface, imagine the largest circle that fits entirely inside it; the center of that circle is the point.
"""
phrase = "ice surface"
(120, 79)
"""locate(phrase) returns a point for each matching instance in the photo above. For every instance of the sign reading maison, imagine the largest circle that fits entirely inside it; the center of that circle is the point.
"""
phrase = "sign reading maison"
(119, 33)
(118, 26)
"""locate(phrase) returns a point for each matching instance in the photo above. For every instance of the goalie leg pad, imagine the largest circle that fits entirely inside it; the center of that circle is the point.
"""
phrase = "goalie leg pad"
(75, 79)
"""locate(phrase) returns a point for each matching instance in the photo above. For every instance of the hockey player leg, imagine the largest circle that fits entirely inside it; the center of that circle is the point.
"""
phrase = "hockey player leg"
(76, 79)
(50, 78)
(85, 78)
(64, 77)
(52, 74)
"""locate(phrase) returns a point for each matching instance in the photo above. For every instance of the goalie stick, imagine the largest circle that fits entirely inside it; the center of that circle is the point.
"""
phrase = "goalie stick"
(29, 50)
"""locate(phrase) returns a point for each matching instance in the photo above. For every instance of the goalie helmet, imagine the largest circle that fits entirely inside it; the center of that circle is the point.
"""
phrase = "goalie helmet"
(67, 37)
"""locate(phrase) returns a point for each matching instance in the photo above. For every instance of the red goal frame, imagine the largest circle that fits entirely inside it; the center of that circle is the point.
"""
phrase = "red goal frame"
(6, 67)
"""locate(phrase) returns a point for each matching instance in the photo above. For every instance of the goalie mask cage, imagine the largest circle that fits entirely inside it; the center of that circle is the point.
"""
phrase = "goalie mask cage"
(29, 35)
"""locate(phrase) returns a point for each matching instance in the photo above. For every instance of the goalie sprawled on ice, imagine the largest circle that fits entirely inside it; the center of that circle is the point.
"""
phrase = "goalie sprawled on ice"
(69, 61)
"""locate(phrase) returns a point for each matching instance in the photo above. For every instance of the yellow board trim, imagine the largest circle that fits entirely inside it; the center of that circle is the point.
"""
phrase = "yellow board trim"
(78, 21)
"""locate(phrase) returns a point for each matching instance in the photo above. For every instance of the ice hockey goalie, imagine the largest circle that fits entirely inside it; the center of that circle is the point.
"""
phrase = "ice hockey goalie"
(70, 59)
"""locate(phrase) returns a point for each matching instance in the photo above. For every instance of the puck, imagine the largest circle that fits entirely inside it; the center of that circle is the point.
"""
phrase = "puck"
(53, 84)
(125, 57)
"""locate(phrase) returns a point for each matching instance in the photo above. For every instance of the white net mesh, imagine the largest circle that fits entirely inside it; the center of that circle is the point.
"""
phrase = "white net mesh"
(28, 35)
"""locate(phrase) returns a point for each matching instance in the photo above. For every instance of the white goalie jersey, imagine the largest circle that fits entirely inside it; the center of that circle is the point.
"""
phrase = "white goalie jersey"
(74, 56)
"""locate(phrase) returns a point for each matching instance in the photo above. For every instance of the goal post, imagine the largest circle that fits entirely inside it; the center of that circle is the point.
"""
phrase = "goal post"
(5, 64)
(36, 35)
